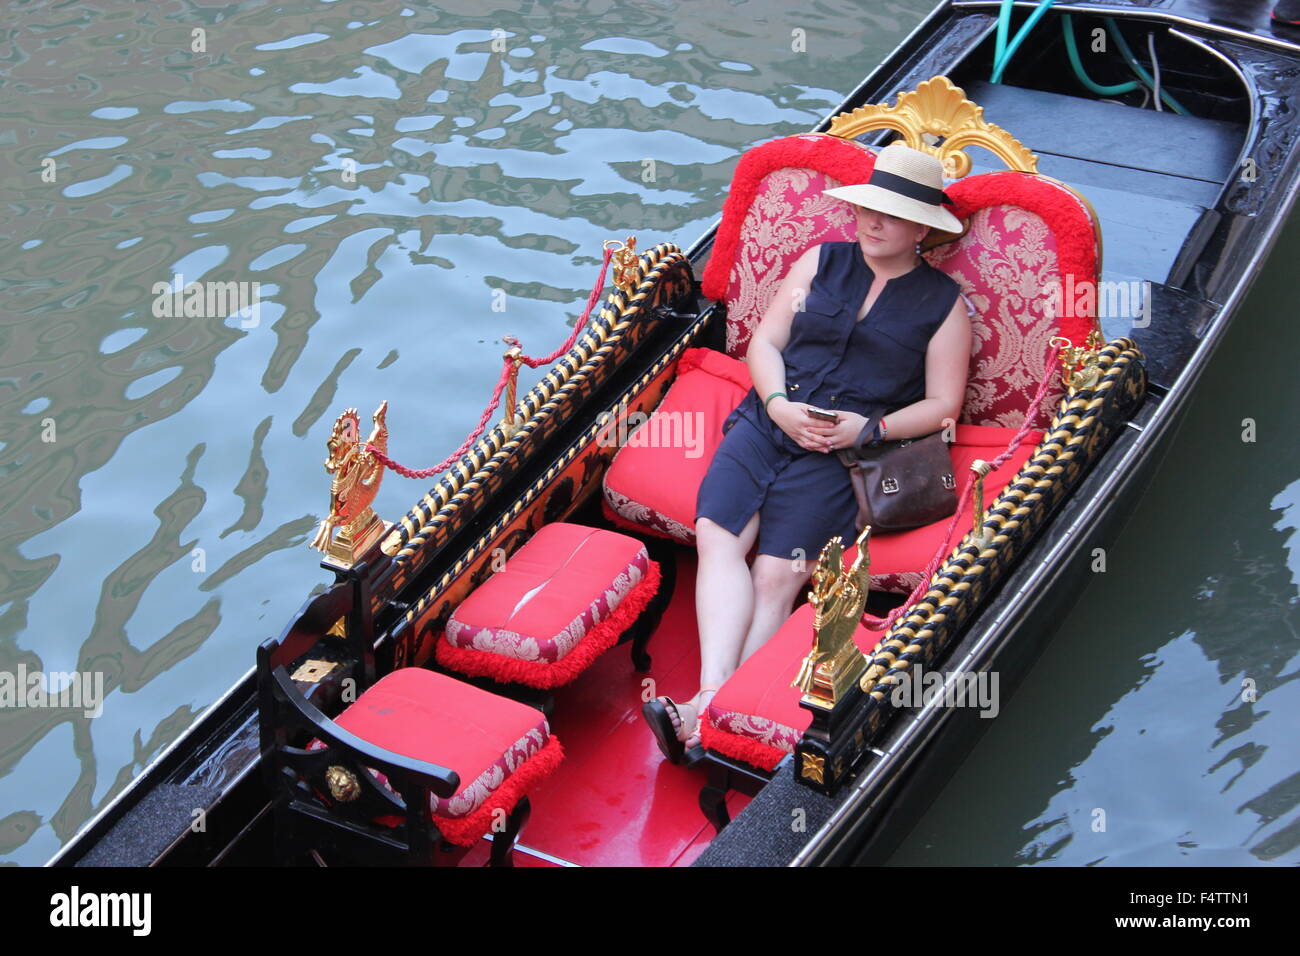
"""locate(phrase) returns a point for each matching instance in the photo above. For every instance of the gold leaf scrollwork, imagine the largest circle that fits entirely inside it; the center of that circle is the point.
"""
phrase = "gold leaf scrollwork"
(938, 119)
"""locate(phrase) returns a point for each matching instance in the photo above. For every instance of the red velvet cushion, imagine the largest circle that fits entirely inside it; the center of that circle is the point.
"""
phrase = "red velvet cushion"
(436, 718)
(656, 487)
(560, 584)
(755, 716)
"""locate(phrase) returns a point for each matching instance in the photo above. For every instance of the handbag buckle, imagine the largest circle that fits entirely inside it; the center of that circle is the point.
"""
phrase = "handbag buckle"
(948, 482)
(889, 485)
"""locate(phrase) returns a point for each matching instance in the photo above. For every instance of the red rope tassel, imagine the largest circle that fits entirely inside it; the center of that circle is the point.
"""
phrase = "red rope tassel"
(501, 384)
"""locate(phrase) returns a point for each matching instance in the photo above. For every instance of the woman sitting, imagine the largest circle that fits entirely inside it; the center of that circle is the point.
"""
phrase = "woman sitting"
(862, 340)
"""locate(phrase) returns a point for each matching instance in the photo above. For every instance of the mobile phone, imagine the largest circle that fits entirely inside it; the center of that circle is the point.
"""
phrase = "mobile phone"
(824, 414)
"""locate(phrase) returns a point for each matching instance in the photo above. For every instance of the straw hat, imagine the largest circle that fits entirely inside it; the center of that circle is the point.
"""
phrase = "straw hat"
(909, 184)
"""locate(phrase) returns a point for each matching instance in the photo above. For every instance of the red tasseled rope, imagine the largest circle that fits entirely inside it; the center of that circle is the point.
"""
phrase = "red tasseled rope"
(528, 360)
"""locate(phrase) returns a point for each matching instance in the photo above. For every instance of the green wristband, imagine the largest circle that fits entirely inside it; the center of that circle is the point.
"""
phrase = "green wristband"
(772, 396)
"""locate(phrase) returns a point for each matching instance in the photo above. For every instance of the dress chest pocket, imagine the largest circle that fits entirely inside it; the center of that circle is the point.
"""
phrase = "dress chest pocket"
(821, 320)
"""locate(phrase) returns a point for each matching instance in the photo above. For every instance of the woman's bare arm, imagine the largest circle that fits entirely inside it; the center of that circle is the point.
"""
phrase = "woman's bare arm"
(766, 367)
(947, 360)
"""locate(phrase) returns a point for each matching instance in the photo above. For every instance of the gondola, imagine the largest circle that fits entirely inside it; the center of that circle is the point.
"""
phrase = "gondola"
(1165, 129)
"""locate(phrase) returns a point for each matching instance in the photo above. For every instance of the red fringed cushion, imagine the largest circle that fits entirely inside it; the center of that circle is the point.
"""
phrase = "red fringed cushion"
(561, 600)
(653, 481)
(499, 747)
(897, 559)
(755, 717)
(774, 212)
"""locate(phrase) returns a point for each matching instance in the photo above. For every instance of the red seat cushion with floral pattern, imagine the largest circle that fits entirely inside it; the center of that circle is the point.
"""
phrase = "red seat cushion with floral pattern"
(499, 747)
(775, 211)
(561, 600)
(755, 716)
(652, 484)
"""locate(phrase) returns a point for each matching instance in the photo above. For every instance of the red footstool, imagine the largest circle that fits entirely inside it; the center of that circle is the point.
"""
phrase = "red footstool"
(500, 749)
(562, 600)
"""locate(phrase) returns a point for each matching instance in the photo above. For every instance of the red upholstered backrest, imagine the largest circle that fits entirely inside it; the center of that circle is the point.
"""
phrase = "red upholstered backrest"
(774, 213)
(1029, 237)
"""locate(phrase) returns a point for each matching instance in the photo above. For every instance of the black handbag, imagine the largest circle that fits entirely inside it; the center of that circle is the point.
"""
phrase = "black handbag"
(900, 484)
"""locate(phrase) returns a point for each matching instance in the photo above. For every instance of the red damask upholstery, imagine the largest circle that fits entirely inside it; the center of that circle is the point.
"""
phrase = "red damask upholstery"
(1029, 238)
(652, 486)
(499, 748)
(561, 600)
(775, 211)
(755, 716)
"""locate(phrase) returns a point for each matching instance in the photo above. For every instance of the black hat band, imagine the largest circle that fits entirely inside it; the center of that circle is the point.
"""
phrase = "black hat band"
(908, 188)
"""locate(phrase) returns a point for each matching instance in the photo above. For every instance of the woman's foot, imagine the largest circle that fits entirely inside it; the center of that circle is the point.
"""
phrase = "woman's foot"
(699, 704)
(676, 726)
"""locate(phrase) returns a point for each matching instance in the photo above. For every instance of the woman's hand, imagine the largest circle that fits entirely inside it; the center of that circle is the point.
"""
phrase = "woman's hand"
(814, 434)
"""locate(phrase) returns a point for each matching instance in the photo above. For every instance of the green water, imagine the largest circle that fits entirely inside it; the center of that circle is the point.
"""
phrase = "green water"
(382, 170)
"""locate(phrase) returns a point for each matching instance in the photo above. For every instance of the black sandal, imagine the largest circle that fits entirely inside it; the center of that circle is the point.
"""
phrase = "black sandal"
(661, 725)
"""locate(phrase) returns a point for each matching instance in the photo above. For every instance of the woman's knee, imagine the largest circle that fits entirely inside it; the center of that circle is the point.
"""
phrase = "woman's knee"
(712, 538)
(779, 577)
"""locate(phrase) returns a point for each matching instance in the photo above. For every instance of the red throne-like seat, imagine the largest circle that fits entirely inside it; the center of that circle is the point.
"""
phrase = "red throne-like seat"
(1025, 234)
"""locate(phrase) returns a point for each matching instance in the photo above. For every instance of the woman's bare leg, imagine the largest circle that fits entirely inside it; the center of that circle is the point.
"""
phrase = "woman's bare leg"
(724, 598)
(776, 584)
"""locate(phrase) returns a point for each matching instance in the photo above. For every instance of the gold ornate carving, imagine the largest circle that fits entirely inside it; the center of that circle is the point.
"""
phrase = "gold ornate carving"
(343, 785)
(311, 671)
(838, 595)
(357, 475)
(1079, 363)
(626, 266)
(938, 119)
(980, 535)
(813, 767)
(509, 421)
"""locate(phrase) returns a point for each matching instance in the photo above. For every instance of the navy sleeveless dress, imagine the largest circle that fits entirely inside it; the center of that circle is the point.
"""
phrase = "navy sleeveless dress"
(872, 367)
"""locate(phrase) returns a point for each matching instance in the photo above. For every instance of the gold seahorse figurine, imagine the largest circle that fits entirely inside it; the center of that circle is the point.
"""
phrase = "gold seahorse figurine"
(838, 597)
(356, 477)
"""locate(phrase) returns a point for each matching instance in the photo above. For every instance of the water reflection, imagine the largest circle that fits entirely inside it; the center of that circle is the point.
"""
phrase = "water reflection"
(381, 170)
(1159, 726)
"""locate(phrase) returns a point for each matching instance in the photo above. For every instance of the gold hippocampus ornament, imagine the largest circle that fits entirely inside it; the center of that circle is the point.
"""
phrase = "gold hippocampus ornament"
(839, 596)
(357, 474)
